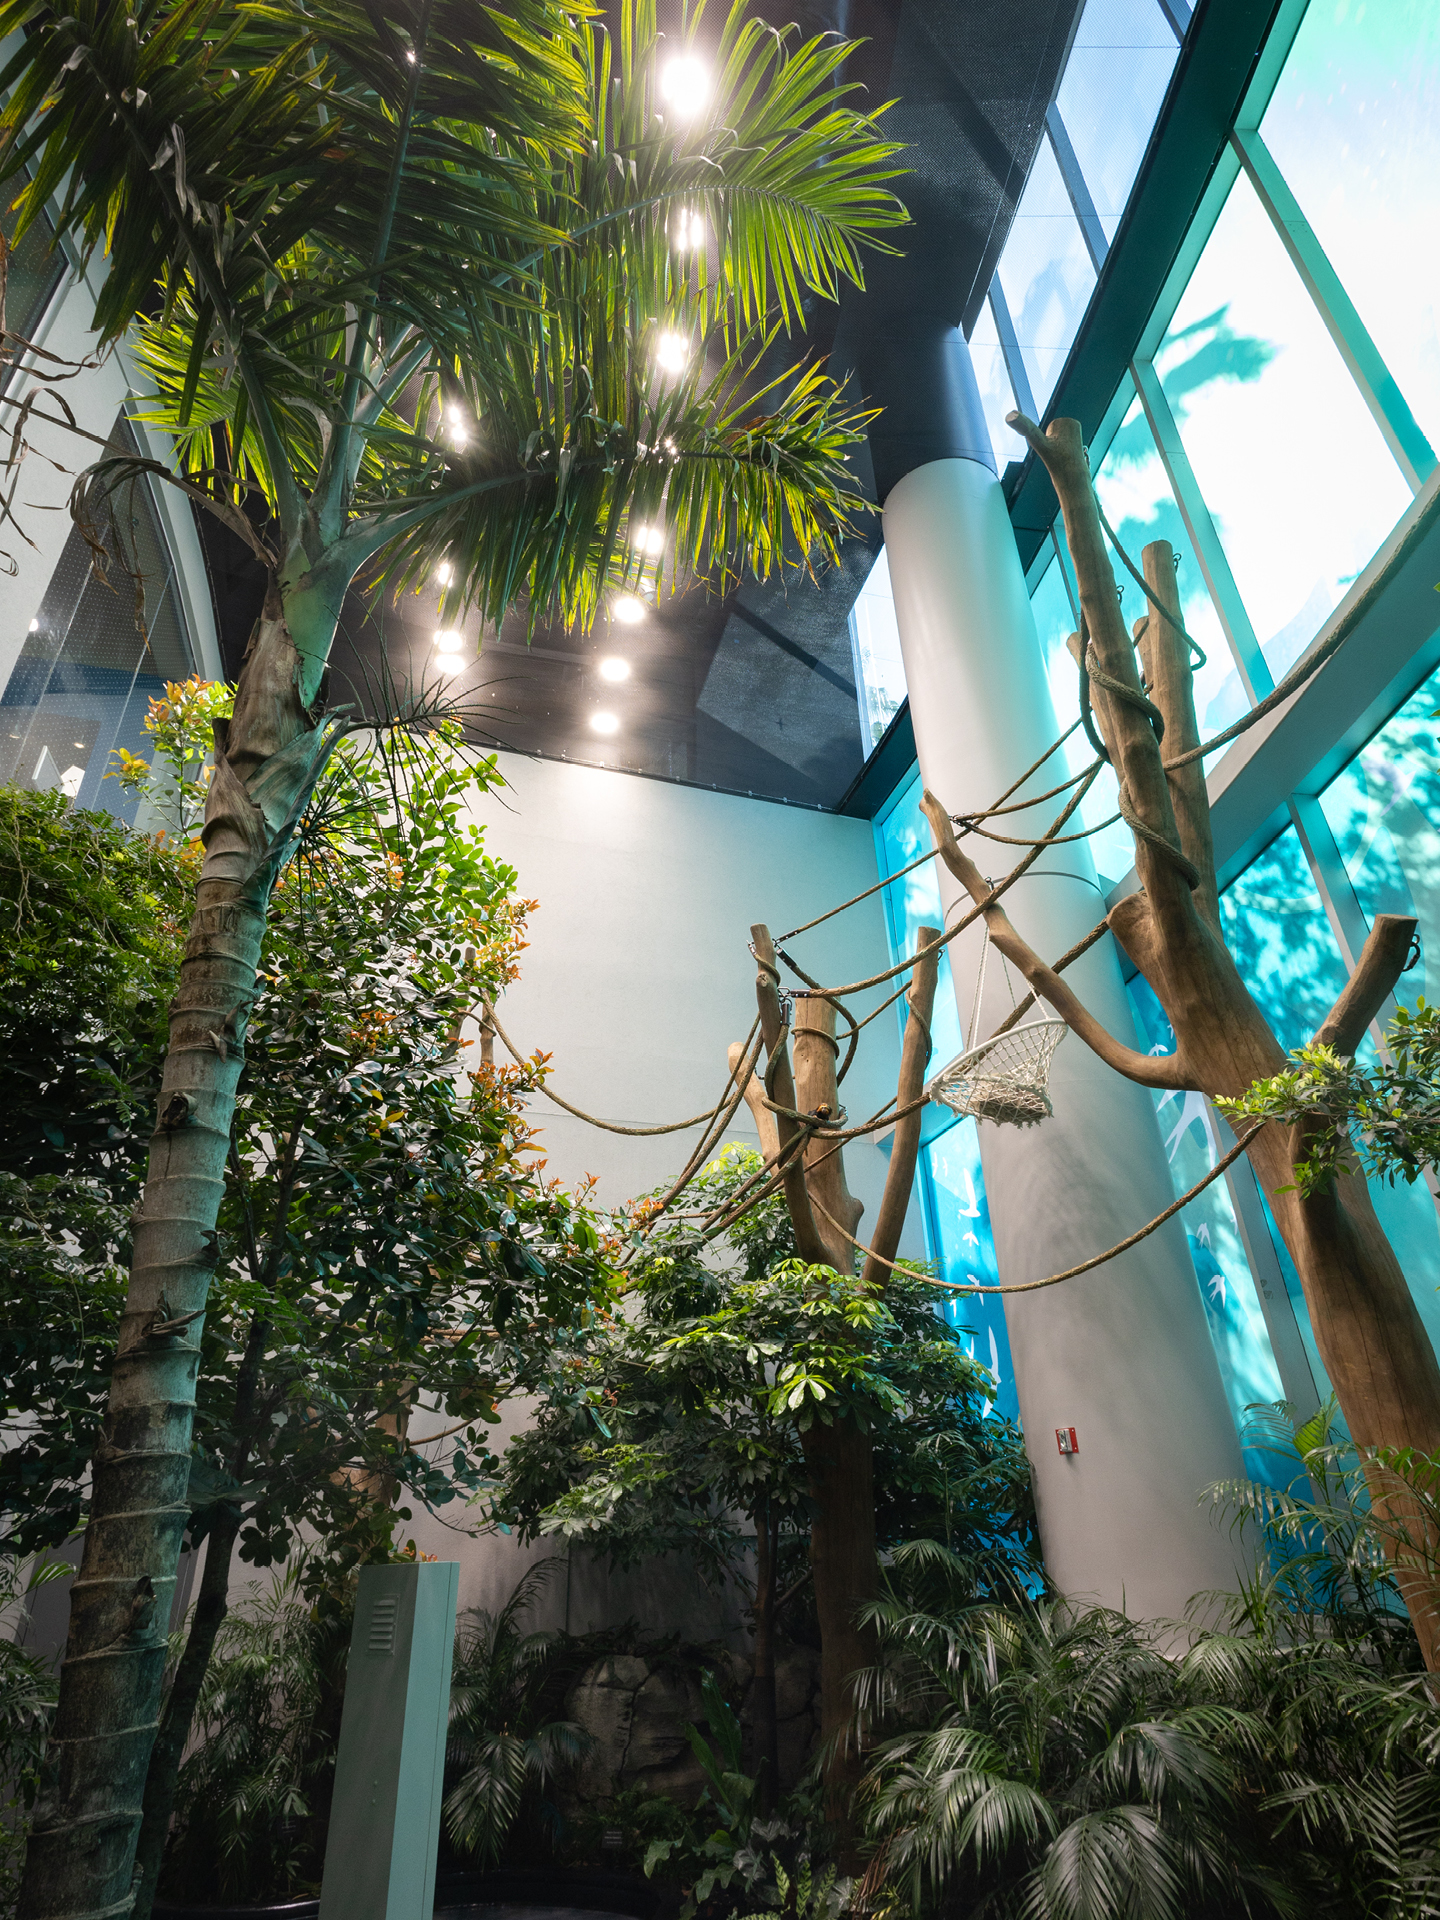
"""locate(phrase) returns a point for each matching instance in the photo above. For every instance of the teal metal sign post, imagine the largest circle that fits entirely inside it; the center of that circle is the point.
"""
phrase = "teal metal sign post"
(385, 1816)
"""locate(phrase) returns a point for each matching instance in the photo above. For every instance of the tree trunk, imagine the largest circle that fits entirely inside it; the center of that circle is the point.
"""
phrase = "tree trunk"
(762, 1692)
(841, 1465)
(179, 1716)
(87, 1817)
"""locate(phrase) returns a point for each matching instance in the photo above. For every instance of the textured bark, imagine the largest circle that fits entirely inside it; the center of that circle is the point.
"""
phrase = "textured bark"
(87, 1817)
(1368, 1330)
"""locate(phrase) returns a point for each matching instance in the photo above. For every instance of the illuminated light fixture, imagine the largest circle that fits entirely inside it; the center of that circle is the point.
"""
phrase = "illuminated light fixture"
(447, 640)
(685, 86)
(627, 610)
(34, 626)
(444, 573)
(450, 662)
(672, 350)
(688, 230)
(604, 723)
(648, 539)
(614, 669)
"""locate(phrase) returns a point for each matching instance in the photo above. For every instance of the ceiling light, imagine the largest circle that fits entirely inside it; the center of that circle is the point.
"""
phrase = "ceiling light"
(672, 350)
(444, 573)
(648, 539)
(627, 610)
(614, 669)
(604, 723)
(447, 640)
(685, 86)
(688, 230)
(453, 412)
(449, 662)
(34, 626)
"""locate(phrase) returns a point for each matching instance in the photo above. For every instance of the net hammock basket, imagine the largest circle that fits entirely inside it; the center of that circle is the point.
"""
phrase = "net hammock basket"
(1003, 1079)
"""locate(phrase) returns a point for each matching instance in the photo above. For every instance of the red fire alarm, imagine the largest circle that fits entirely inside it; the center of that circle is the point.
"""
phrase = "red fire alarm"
(1066, 1441)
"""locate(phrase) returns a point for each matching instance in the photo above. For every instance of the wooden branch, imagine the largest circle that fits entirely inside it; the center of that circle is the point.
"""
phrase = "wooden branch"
(914, 1059)
(755, 1099)
(1165, 655)
(1382, 961)
(816, 1054)
(1149, 1070)
(1128, 735)
(809, 1243)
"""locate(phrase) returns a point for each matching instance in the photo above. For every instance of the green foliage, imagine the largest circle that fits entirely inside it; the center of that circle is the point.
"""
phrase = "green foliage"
(181, 726)
(683, 1412)
(387, 1256)
(1330, 1538)
(726, 1856)
(502, 1739)
(254, 1793)
(1386, 1117)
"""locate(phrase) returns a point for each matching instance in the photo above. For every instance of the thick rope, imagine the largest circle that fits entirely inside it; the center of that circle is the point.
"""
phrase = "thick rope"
(1146, 589)
(1142, 829)
(610, 1126)
(963, 1287)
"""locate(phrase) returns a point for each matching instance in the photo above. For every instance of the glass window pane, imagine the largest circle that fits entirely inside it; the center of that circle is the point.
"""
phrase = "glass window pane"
(1382, 811)
(1355, 127)
(1115, 79)
(1112, 848)
(1274, 924)
(997, 396)
(1046, 275)
(1232, 1305)
(1295, 472)
(957, 1220)
(1135, 493)
(902, 834)
(875, 643)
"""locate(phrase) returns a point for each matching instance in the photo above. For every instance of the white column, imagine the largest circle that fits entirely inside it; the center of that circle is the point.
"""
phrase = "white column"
(1122, 1354)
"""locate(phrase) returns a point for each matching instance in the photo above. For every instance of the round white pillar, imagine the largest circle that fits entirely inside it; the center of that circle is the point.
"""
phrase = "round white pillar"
(1122, 1353)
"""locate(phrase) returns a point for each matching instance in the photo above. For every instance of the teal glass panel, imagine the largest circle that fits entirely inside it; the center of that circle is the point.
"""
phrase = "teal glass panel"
(1115, 79)
(1275, 926)
(957, 1224)
(1383, 809)
(997, 396)
(1046, 274)
(1111, 846)
(1355, 127)
(952, 1185)
(1227, 1287)
(1296, 474)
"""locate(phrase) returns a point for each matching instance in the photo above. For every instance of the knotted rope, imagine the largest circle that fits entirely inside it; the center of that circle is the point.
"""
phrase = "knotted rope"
(1091, 672)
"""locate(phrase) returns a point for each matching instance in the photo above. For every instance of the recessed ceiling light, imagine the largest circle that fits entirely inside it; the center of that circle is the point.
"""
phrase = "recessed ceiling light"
(685, 86)
(671, 352)
(648, 539)
(34, 626)
(688, 230)
(614, 669)
(444, 573)
(627, 609)
(604, 723)
(450, 662)
(447, 640)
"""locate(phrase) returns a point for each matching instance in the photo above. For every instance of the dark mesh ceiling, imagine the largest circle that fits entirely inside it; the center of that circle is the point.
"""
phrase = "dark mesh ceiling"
(754, 693)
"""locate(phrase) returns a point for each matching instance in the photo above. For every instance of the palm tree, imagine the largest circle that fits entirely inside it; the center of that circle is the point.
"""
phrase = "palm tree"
(327, 227)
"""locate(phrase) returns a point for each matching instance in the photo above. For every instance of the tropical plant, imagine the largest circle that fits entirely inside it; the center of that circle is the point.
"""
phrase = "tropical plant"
(331, 228)
(254, 1791)
(677, 1424)
(503, 1741)
(388, 1263)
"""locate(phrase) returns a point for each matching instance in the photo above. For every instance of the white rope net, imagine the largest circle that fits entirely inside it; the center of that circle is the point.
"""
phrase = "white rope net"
(1004, 1079)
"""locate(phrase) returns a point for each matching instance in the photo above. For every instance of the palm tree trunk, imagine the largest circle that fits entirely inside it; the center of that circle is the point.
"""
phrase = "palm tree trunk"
(88, 1814)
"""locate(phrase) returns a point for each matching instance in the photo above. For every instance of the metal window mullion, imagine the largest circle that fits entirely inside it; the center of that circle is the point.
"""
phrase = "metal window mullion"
(1073, 174)
(1378, 388)
(1177, 17)
(1255, 675)
(1297, 1377)
(1010, 349)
